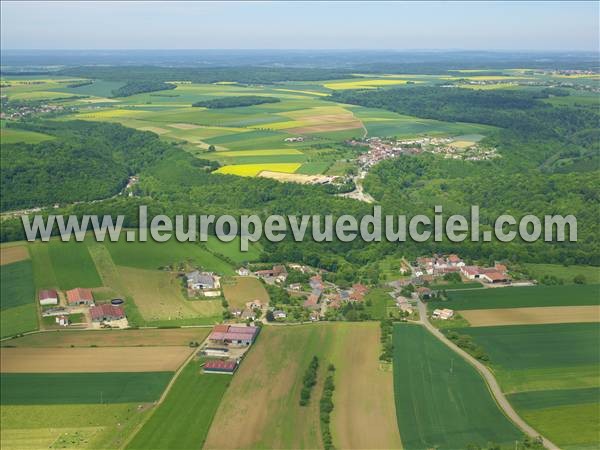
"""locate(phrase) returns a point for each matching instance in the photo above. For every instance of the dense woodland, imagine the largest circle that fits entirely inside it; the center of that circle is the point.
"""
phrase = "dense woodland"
(235, 101)
(140, 87)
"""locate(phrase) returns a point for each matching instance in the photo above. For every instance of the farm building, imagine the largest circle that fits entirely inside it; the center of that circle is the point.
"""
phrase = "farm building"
(236, 335)
(443, 314)
(200, 280)
(216, 366)
(243, 272)
(278, 272)
(48, 297)
(313, 299)
(424, 293)
(279, 314)
(106, 313)
(471, 272)
(215, 351)
(358, 292)
(494, 277)
(80, 296)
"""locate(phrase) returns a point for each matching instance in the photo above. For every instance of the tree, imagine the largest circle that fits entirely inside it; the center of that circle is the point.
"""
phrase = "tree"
(211, 148)
(579, 279)
(270, 317)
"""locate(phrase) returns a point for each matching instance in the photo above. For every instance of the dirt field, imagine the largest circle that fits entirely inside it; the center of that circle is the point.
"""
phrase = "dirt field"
(244, 289)
(158, 296)
(325, 127)
(13, 254)
(102, 359)
(156, 130)
(293, 177)
(529, 316)
(260, 408)
(364, 415)
(112, 338)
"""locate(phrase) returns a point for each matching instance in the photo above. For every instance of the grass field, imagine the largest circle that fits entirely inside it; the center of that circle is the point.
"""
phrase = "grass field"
(90, 359)
(18, 311)
(532, 316)
(239, 290)
(72, 265)
(520, 297)
(270, 379)
(158, 297)
(28, 427)
(565, 273)
(112, 338)
(441, 401)
(12, 136)
(183, 419)
(552, 373)
(232, 250)
(154, 255)
(68, 388)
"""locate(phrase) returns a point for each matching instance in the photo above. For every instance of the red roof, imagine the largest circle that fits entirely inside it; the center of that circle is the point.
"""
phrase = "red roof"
(220, 365)
(47, 294)
(495, 276)
(222, 327)
(106, 311)
(471, 270)
(454, 259)
(78, 295)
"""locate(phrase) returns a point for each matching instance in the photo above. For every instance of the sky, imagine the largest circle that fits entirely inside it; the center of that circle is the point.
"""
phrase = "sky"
(512, 25)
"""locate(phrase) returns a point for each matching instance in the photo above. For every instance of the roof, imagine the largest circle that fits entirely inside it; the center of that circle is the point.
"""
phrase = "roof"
(79, 295)
(221, 327)
(454, 258)
(495, 276)
(47, 293)
(220, 365)
(106, 310)
(200, 278)
(471, 270)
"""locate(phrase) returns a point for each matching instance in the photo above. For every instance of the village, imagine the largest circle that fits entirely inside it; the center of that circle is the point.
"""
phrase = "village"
(383, 148)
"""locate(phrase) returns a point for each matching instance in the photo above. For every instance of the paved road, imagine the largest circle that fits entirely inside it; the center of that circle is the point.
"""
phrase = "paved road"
(489, 379)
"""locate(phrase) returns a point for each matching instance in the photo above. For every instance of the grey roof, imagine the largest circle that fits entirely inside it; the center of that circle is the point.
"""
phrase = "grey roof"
(197, 277)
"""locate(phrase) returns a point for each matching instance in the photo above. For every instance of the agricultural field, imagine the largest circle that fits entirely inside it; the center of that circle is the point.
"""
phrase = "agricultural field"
(82, 388)
(270, 379)
(531, 316)
(239, 290)
(13, 253)
(195, 393)
(565, 273)
(112, 338)
(18, 310)
(552, 376)
(86, 426)
(521, 297)
(441, 401)
(91, 359)
(11, 136)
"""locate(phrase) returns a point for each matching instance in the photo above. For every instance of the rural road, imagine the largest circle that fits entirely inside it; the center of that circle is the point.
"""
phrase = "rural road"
(493, 385)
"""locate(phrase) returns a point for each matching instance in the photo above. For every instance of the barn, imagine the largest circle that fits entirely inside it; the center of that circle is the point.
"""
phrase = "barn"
(48, 297)
(106, 313)
(80, 296)
(227, 334)
(224, 367)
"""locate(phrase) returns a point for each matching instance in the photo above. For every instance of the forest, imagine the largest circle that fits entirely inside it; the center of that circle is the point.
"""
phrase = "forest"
(235, 101)
(140, 87)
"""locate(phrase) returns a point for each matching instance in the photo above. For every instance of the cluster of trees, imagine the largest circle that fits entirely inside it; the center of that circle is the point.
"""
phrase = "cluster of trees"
(465, 342)
(326, 407)
(309, 380)
(387, 344)
(80, 83)
(235, 101)
(142, 86)
(86, 161)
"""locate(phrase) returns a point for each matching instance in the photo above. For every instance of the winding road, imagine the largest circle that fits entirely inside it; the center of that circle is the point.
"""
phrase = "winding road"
(493, 385)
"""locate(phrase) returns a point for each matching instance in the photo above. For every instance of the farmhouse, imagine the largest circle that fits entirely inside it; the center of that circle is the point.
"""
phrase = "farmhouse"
(223, 367)
(248, 314)
(278, 272)
(313, 299)
(471, 272)
(48, 297)
(233, 335)
(493, 277)
(243, 272)
(106, 313)
(424, 293)
(200, 280)
(443, 314)
(316, 282)
(358, 292)
(80, 296)
(279, 314)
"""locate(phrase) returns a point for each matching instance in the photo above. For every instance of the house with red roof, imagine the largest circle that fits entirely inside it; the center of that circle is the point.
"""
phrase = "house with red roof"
(217, 366)
(80, 296)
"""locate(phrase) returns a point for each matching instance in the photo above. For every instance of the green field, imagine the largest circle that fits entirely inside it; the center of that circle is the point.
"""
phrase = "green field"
(552, 375)
(232, 250)
(12, 136)
(18, 311)
(69, 388)
(183, 419)
(521, 297)
(55, 426)
(565, 273)
(441, 401)
(154, 255)
(72, 265)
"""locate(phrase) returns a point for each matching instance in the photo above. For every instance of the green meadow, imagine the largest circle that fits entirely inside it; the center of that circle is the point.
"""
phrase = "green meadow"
(565, 273)
(199, 395)
(73, 388)
(552, 375)
(14, 135)
(18, 310)
(441, 401)
(521, 297)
